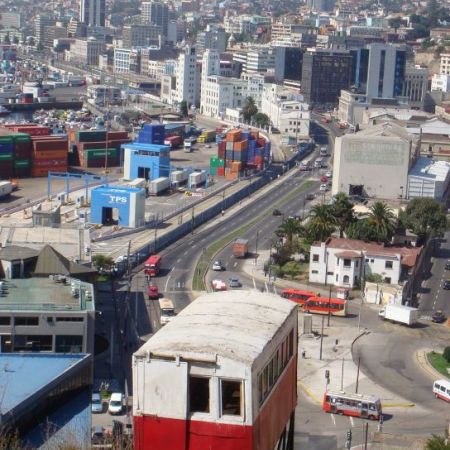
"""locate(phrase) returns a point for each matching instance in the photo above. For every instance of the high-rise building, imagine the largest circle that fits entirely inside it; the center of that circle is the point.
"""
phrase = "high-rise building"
(212, 39)
(325, 73)
(156, 13)
(188, 74)
(386, 70)
(141, 35)
(92, 12)
(40, 22)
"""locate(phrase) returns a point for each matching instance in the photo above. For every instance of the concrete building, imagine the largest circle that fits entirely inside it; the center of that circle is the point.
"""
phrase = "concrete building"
(213, 38)
(122, 60)
(440, 83)
(10, 19)
(86, 51)
(344, 262)
(324, 74)
(286, 110)
(156, 13)
(415, 85)
(429, 178)
(92, 12)
(52, 33)
(444, 68)
(188, 77)
(374, 162)
(40, 22)
(140, 35)
(47, 315)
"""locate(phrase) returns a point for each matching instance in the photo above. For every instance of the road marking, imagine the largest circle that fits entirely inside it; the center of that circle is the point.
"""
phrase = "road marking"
(254, 283)
(333, 419)
(178, 260)
(186, 252)
(235, 264)
(168, 278)
(352, 421)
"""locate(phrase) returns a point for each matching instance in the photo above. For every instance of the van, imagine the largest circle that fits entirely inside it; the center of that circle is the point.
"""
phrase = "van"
(318, 163)
(167, 311)
(441, 389)
(115, 403)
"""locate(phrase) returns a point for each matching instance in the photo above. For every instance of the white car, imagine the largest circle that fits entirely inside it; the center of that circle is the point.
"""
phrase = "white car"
(329, 174)
(323, 187)
(218, 266)
(96, 403)
(115, 403)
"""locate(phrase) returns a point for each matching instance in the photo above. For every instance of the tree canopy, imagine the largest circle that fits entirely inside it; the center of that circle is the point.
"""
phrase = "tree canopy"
(249, 109)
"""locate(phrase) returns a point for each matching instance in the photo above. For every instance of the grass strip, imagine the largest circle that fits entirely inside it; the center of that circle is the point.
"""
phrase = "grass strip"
(198, 281)
(439, 363)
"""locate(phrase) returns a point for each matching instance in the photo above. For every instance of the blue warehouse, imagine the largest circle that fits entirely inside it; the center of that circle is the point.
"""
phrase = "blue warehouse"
(121, 205)
(149, 161)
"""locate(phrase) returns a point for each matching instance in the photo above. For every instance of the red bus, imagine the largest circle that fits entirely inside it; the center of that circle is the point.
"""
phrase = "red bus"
(365, 406)
(297, 296)
(323, 305)
(152, 265)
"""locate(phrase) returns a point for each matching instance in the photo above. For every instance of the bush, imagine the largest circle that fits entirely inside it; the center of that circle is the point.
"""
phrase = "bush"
(446, 354)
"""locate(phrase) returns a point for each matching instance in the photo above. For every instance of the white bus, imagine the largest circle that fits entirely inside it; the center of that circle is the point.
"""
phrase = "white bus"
(441, 389)
(318, 163)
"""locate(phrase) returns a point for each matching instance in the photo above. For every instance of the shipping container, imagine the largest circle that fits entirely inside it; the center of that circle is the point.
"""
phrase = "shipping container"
(240, 145)
(49, 162)
(39, 146)
(197, 178)
(22, 172)
(31, 130)
(91, 136)
(50, 154)
(6, 157)
(99, 153)
(20, 163)
(158, 185)
(221, 171)
(233, 136)
(118, 135)
(43, 171)
(6, 148)
(178, 176)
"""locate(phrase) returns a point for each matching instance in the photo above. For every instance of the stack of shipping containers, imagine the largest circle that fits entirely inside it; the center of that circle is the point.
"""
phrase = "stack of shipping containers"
(6, 154)
(49, 155)
(97, 148)
(239, 150)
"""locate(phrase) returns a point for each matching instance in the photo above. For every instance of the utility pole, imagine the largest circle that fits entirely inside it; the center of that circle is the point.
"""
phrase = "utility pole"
(357, 375)
(321, 338)
(256, 247)
(366, 435)
(342, 375)
(329, 307)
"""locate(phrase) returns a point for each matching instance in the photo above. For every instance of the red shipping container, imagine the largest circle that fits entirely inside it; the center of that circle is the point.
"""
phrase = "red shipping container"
(51, 154)
(241, 145)
(33, 130)
(50, 145)
(221, 171)
(49, 162)
(118, 135)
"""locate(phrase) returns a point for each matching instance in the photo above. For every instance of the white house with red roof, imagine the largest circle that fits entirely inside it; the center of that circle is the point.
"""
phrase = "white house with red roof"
(344, 262)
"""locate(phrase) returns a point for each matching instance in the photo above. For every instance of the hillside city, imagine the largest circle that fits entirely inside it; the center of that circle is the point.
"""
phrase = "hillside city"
(224, 225)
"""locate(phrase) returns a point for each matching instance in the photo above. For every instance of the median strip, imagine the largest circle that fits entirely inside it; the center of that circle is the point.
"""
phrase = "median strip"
(202, 266)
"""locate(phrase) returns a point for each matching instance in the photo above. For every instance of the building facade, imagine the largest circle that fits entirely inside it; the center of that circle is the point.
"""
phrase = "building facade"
(141, 35)
(92, 12)
(86, 51)
(156, 13)
(188, 77)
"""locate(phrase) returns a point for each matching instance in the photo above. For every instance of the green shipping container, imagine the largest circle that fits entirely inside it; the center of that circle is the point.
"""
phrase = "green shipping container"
(91, 136)
(216, 162)
(99, 153)
(6, 156)
(213, 171)
(21, 137)
(18, 163)
(6, 140)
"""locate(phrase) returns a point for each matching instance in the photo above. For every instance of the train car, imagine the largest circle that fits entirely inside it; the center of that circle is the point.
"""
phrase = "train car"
(221, 375)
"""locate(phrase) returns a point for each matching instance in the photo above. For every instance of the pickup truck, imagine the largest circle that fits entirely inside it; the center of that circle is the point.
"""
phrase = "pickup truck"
(239, 248)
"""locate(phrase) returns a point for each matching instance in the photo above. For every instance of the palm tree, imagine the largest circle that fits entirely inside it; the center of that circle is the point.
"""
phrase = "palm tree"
(437, 443)
(289, 229)
(321, 224)
(342, 209)
(382, 221)
(249, 109)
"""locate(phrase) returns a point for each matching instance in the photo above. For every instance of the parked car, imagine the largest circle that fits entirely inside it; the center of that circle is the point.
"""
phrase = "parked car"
(98, 435)
(329, 174)
(446, 285)
(235, 283)
(447, 265)
(324, 187)
(438, 317)
(152, 292)
(310, 196)
(218, 266)
(276, 212)
(115, 403)
(96, 403)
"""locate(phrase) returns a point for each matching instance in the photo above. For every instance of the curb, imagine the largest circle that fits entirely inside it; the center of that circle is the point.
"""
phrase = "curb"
(398, 405)
(422, 362)
(308, 392)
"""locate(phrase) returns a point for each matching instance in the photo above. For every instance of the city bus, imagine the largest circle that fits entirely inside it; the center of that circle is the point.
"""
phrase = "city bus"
(356, 405)
(297, 295)
(152, 265)
(441, 389)
(325, 305)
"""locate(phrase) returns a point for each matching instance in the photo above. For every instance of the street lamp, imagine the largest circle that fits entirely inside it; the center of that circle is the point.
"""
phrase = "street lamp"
(256, 247)
(329, 307)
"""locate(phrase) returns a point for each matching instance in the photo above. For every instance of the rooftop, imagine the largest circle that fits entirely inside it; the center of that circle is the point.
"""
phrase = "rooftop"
(16, 252)
(427, 168)
(23, 375)
(45, 294)
(408, 255)
(234, 324)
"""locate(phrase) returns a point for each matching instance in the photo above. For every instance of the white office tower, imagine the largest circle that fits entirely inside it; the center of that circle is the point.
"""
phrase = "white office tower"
(188, 83)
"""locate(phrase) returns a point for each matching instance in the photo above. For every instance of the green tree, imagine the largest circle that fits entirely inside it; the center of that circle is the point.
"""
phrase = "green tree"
(437, 443)
(102, 262)
(184, 108)
(361, 230)
(261, 120)
(373, 278)
(249, 109)
(342, 210)
(321, 224)
(382, 221)
(289, 229)
(425, 217)
(291, 269)
(446, 354)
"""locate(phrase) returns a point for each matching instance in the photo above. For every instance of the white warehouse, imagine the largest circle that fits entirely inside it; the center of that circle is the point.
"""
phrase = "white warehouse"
(374, 162)
(429, 178)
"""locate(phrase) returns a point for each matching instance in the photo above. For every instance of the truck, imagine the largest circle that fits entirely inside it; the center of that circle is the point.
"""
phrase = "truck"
(158, 185)
(6, 187)
(400, 314)
(173, 141)
(239, 248)
(188, 146)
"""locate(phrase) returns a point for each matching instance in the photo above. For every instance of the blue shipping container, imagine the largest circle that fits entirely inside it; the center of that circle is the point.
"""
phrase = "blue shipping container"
(6, 148)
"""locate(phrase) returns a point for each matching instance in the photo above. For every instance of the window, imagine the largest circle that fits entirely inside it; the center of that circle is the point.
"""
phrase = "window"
(387, 280)
(30, 321)
(388, 264)
(198, 394)
(346, 279)
(347, 262)
(315, 271)
(5, 320)
(231, 393)
(315, 257)
(330, 274)
(69, 319)
(33, 343)
(68, 344)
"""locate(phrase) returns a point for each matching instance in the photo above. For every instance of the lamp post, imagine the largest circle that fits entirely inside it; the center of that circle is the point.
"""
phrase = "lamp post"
(329, 307)
(256, 247)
